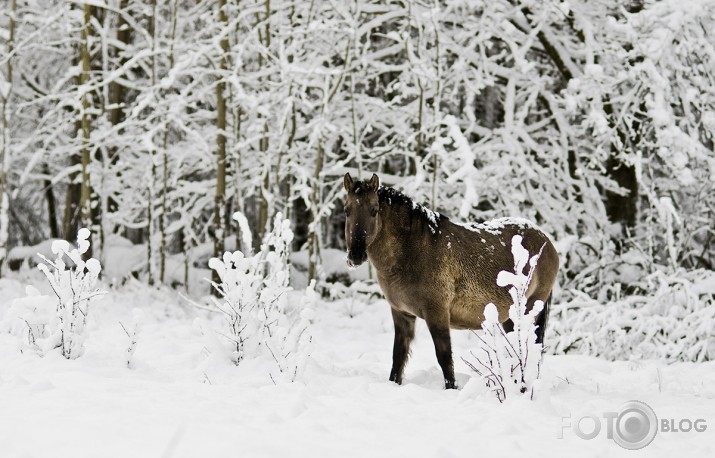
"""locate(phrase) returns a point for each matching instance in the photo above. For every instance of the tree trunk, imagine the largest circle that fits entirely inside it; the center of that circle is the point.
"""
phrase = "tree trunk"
(313, 239)
(5, 140)
(51, 203)
(70, 223)
(85, 206)
(116, 88)
(152, 153)
(165, 164)
(263, 211)
(220, 198)
(622, 208)
(265, 184)
(117, 93)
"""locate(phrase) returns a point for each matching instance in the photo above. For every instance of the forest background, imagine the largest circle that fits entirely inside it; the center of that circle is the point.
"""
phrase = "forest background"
(152, 122)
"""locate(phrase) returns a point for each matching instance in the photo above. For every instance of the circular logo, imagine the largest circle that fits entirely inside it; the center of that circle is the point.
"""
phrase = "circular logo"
(636, 425)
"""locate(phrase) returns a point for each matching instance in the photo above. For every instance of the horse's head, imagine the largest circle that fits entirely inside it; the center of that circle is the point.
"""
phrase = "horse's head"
(362, 219)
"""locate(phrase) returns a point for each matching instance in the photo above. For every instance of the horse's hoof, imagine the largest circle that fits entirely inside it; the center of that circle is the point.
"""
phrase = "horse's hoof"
(450, 385)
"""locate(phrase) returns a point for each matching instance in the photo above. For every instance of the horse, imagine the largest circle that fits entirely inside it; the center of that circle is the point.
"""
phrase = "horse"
(443, 272)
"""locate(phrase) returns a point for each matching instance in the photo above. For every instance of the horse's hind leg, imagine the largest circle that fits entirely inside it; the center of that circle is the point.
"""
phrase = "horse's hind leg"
(541, 321)
(443, 348)
(508, 325)
(541, 318)
(404, 333)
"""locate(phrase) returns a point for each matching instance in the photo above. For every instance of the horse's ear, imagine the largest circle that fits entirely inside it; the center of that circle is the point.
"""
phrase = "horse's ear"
(374, 182)
(348, 182)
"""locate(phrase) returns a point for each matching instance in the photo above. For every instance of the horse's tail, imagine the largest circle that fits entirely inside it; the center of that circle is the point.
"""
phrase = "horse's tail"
(542, 320)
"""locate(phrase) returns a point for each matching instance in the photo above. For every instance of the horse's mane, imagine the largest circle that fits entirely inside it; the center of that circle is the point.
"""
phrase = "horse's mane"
(415, 211)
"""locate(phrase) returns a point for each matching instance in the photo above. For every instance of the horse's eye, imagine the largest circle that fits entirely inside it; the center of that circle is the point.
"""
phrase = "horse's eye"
(373, 212)
(347, 212)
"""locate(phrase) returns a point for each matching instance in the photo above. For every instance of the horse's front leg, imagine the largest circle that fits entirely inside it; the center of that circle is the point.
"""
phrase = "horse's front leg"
(438, 325)
(404, 333)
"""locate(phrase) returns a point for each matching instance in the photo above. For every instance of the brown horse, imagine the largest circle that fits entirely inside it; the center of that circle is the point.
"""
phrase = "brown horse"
(443, 272)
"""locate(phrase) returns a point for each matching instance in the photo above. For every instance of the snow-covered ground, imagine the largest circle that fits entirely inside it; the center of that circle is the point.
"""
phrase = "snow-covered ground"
(181, 399)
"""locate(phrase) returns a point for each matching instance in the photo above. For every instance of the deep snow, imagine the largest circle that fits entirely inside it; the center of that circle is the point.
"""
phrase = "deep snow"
(183, 398)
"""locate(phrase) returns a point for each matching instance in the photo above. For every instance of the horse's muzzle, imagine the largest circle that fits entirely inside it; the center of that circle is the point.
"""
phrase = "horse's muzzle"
(356, 258)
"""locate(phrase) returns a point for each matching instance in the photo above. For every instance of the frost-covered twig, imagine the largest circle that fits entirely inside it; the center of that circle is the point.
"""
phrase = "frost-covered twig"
(197, 305)
(133, 336)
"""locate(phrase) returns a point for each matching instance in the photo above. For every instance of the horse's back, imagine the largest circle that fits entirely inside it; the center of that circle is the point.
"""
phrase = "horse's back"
(474, 254)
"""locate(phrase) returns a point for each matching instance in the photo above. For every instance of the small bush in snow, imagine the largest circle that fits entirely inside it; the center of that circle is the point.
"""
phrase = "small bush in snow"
(30, 318)
(510, 362)
(133, 336)
(75, 289)
(253, 292)
(59, 322)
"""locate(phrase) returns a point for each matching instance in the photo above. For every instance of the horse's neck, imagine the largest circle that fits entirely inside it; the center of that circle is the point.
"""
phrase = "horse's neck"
(388, 249)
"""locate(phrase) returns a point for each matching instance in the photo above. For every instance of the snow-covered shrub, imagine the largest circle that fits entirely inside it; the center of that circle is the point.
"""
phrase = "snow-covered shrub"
(671, 316)
(30, 318)
(510, 362)
(59, 322)
(75, 289)
(253, 300)
(239, 299)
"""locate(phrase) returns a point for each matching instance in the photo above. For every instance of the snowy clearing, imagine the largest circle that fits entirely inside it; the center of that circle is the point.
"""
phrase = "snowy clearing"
(182, 399)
